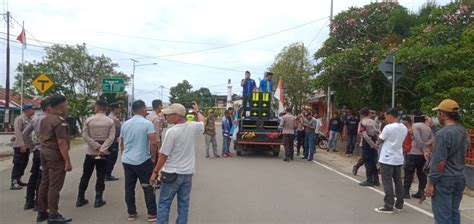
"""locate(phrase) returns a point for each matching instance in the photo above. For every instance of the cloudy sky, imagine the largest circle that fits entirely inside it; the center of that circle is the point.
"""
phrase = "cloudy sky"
(188, 39)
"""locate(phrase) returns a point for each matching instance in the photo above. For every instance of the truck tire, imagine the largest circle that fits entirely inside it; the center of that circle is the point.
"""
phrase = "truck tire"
(276, 153)
(238, 148)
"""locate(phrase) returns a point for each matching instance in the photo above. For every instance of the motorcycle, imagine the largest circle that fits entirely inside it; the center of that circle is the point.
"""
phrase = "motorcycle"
(323, 142)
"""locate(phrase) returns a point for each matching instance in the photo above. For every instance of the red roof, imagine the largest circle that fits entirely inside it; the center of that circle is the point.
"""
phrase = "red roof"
(15, 98)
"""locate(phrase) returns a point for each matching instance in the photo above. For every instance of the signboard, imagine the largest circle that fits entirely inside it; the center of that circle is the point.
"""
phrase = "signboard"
(113, 85)
(387, 68)
(43, 83)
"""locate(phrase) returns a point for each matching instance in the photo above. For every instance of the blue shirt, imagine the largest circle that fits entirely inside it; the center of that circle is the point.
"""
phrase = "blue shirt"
(135, 136)
(266, 85)
(248, 87)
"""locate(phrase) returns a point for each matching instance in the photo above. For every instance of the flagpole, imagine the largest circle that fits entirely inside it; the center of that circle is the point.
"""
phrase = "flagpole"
(22, 68)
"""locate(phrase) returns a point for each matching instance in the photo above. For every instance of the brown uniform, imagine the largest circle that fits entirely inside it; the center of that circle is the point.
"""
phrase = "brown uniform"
(52, 128)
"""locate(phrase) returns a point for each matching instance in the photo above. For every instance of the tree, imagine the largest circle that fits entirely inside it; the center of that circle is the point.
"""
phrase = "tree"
(359, 39)
(294, 69)
(181, 93)
(74, 72)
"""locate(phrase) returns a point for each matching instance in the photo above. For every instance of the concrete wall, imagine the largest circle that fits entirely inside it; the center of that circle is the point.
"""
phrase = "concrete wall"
(6, 147)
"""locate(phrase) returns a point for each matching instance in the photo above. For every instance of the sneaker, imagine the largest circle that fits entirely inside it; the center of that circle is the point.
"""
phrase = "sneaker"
(132, 217)
(418, 195)
(304, 158)
(42, 216)
(399, 209)
(29, 206)
(151, 218)
(334, 150)
(406, 196)
(15, 185)
(225, 156)
(58, 218)
(354, 170)
(366, 184)
(22, 184)
(384, 210)
(111, 178)
(377, 184)
(286, 160)
(207, 157)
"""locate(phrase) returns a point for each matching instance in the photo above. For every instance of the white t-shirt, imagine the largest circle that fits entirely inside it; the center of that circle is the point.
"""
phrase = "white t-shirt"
(392, 151)
(317, 130)
(178, 145)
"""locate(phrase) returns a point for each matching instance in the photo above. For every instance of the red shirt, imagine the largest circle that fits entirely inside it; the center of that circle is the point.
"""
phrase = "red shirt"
(407, 142)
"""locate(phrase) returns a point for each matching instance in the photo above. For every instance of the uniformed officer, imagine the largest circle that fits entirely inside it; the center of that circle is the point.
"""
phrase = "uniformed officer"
(21, 153)
(157, 118)
(99, 134)
(55, 160)
(114, 148)
(31, 138)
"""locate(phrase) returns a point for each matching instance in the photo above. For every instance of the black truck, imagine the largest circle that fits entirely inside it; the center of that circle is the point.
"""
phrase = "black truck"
(258, 126)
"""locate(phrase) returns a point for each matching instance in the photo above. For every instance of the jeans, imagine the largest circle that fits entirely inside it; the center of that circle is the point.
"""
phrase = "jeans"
(211, 139)
(20, 162)
(392, 175)
(182, 187)
(309, 145)
(100, 166)
(332, 139)
(370, 157)
(35, 179)
(112, 159)
(415, 162)
(143, 173)
(351, 140)
(446, 200)
(225, 144)
(300, 141)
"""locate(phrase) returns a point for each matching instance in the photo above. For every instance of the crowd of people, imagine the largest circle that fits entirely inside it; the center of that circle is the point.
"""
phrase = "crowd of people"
(156, 160)
(388, 144)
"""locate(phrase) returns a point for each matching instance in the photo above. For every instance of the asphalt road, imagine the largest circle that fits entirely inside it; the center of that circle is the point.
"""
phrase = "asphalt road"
(255, 188)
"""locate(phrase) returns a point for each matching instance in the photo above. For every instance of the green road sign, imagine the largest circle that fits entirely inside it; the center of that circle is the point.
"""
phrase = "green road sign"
(113, 85)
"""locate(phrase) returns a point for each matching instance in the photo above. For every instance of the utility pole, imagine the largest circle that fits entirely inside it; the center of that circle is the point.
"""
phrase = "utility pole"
(393, 82)
(329, 85)
(7, 84)
(133, 80)
(161, 93)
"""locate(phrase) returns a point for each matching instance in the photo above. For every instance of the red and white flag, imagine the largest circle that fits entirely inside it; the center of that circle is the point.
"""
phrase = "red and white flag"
(22, 37)
(280, 97)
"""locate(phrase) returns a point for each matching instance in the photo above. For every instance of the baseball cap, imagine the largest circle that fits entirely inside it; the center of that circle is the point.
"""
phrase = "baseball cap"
(27, 106)
(175, 108)
(447, 105)
(210, 111)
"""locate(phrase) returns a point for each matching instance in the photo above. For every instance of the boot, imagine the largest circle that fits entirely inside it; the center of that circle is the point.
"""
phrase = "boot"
(58, 219)
(99, 202)
(81, 200)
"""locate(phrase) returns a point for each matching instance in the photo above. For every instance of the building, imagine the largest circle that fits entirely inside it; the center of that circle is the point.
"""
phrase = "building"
(15, 107)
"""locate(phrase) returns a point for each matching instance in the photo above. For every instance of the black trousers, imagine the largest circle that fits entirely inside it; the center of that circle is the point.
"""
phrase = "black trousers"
(100, 166)
(112, 159)
(415, 163)
(35, 179)
(288, 142)
(370, 157)
(351, 141)
(143, 173)
(299, 140)
(392, 175)
(20, 162)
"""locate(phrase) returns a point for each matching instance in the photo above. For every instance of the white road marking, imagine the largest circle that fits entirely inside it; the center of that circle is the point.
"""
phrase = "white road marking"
(374, 189)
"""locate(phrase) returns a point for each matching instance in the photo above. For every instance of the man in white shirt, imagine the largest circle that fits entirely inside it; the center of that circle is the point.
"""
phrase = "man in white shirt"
(176, 162)
(391, 160)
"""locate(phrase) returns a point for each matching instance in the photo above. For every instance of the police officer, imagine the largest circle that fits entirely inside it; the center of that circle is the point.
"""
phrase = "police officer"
(31, 138)
(55, 160)
(21, 153)
(114, 148)
(99, 134)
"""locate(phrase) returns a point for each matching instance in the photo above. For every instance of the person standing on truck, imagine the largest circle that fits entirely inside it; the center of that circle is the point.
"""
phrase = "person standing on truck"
(248, 86)
(288, 124)
(266, 85)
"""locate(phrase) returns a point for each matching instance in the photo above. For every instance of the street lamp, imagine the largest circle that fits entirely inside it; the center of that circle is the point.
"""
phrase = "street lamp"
(133, 75)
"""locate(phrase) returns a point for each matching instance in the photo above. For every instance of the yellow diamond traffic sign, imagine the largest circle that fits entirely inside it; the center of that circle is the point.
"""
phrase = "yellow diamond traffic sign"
(43, 83)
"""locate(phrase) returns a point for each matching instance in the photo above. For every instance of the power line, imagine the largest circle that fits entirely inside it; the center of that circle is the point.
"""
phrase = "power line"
(237, 43)
(319, 32)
